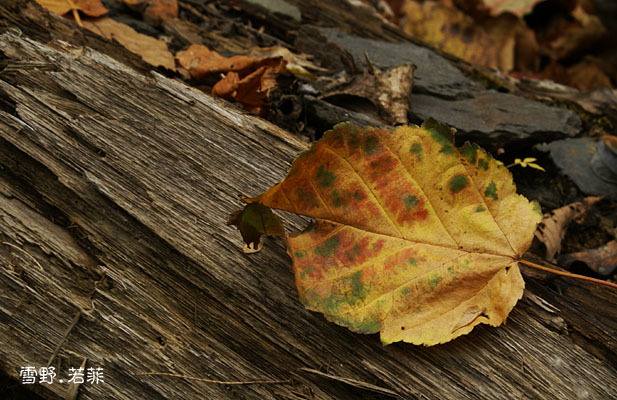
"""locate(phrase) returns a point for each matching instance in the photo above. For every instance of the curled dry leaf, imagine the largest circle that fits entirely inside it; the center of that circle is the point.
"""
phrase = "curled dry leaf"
(252, 90)
(554, 225)
(255, 221)
(414, 238)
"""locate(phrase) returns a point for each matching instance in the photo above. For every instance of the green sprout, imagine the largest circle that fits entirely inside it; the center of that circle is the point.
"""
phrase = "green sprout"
(527, 162)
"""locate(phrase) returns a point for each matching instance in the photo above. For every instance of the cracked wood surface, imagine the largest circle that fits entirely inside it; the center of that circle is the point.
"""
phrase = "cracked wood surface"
(114, 189)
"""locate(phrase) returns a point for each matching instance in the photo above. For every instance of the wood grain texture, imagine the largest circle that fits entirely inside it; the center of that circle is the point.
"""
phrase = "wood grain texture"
(118, 184)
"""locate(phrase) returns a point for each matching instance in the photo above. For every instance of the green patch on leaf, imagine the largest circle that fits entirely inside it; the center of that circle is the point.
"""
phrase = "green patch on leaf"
(416, 149)
(337, 200)
(483, 163)
(413, 262)
(434, 279)
(451, 271)
(535, 207)
(299, 254)
(332, 304)
(371, 145)
(441, 134)
(470, 152)
(371, 324)
(353, 253)
(327, 249)
(405, 291)
(458, 183)
(324, 178)
(410, 201)
(491, 191)
(308, 197)
(358, 291)
(480, 208)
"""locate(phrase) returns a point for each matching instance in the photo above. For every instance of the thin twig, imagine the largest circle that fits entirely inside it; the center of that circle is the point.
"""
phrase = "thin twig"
(192, 378)
(26, 253)
(353, 382)
(568, 274)
(66, 334)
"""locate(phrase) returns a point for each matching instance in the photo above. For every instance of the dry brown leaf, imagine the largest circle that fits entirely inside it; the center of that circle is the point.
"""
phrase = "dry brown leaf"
(201, 62)
(247, 80)
(252, 90)
(554, 225)
(152, 50)
(387, 90)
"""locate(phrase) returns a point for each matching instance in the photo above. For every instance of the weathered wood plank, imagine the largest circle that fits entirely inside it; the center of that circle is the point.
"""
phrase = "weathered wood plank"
(118, 183)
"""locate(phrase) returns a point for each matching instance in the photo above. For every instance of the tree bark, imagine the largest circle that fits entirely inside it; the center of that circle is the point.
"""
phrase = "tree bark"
(115, 184)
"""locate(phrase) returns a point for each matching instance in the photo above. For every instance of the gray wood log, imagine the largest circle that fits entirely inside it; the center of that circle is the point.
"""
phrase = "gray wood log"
(114, 189)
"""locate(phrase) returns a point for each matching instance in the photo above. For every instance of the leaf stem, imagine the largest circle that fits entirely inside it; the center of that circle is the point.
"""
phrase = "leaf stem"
(568, 274)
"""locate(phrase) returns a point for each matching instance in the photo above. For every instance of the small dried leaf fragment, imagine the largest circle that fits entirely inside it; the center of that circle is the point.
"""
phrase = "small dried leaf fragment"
(554, 225)
(387, 90)
(414, 238)
(254, 221)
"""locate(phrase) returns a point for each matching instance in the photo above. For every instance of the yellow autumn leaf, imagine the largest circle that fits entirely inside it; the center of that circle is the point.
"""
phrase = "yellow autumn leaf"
(414, 238)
